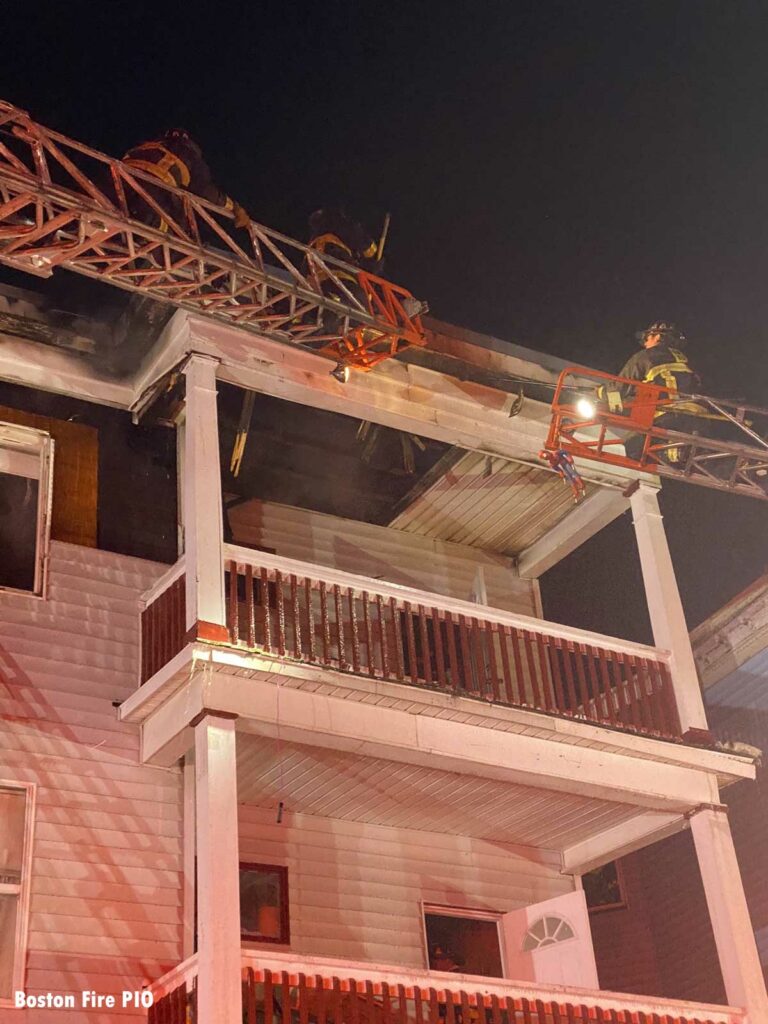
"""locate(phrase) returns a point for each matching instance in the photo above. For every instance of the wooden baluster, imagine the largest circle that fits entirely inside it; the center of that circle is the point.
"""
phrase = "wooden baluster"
(232, 612)
(550, 653)
(450, 1013)
(426, 657)
(266, 610)
(506, 669)
(465, 1011)
(339, 611)
(250, 997)
(533, 674)
(371, 1007)
(633, 689)
(565, 654)
(250, 611)
(383, 640)
(411, 640)
(386, 1005)
(601, 710)
(491, 633)
(622, 687)
(495, 1010)
(402, 1009)
(437, 633)
(452, 659)
(296, 612)
(304, 999)
(325, 627)
(280, 601)
(478, 659)
(466, 681)
(351, 601)
(418, 1005)
(354, 1002)
(434, 1008)
(310, 618)
(268, 996)
(285, 997)
(670, 701)
(608, 694)
(521, 697)
(550, 702)
(368, 635)
(586, 699)
(398, 636)
(646, 697)
(335, 1001)
(320, 1000)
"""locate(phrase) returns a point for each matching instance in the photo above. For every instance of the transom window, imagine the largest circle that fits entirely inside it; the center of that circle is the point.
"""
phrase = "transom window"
(546, 932)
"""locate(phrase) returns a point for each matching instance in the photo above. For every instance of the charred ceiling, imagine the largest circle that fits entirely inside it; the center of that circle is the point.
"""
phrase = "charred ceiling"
(318, 460)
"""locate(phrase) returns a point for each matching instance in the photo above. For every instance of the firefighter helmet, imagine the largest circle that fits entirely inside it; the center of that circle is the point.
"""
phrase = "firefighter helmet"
(669, 333)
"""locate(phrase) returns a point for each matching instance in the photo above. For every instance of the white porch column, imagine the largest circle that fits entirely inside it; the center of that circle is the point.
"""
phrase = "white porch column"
(734, 937)
(219, 994)
(201, 496)
(670, 630)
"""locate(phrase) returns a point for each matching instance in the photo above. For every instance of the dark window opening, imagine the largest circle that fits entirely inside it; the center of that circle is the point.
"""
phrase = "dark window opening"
(264, 903)
(603, 887)
(18, 531)
(469, 945)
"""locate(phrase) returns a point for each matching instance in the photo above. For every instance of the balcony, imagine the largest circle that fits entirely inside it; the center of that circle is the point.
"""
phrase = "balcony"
(288, 989)
(304, 614)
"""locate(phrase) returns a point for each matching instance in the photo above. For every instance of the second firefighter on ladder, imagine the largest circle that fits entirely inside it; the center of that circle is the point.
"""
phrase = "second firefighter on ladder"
(662, 362)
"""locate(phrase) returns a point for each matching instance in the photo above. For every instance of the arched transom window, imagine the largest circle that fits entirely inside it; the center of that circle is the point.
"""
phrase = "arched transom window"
(546, 932)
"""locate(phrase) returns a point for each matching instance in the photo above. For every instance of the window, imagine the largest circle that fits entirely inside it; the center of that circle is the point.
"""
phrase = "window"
(546, 932)
(264, 903)
(16, 817)
(465, 941)
(603, 888)
(25, 498)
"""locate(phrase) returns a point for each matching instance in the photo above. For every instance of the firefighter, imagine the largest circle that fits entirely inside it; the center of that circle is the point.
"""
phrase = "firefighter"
(333, 233)
(176, 159)
(662, 362)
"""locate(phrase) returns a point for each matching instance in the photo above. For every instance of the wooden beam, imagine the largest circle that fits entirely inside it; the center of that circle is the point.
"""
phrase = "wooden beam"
(390, 733)
(581, 523)
(400, 395)
(619, 840)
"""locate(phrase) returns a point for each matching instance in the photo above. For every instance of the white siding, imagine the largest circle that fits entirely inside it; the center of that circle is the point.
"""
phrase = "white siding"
(105, 907)
(356, 890)
(378, 551)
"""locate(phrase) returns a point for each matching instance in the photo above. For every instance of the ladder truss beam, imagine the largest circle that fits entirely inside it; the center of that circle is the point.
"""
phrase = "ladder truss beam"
(63, 204)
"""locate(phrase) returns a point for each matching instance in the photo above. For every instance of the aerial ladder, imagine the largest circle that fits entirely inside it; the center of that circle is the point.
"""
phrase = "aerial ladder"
(63, 204)
(729, 453)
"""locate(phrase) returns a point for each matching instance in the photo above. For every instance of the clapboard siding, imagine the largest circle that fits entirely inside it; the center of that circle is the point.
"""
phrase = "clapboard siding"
(105, 900)
(356, 890)
(380, 552)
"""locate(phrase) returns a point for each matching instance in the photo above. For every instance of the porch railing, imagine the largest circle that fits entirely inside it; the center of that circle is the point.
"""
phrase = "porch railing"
(280, 988)
(163, 621)
(290, 609)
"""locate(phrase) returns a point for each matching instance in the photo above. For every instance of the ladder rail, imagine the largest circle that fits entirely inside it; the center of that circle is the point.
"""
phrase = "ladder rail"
(718, 463)
(56, 211)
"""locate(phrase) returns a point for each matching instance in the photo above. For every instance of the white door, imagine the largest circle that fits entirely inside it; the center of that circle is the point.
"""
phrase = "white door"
(551, 942)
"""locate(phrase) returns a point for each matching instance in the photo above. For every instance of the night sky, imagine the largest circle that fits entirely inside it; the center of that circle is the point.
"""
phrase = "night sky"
(559, 175)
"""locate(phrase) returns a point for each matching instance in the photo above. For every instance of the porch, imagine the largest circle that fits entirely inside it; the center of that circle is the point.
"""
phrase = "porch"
(287, 989)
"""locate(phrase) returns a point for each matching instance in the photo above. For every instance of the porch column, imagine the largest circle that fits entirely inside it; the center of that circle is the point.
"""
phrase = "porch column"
(665, 608)
(734, 937)
(201, 498)
(219, 994)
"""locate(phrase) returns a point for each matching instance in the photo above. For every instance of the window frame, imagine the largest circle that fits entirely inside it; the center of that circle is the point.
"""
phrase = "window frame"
(473, 913)
(23, 890)
(621, 903)
(284, 939)
(30, 442)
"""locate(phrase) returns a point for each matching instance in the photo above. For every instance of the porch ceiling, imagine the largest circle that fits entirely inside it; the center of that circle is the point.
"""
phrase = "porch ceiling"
(336, 784)
(488, 503)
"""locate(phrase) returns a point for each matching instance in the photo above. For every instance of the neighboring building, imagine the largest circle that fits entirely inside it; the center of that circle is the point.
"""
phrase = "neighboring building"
(661, 904)
(301, 761)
